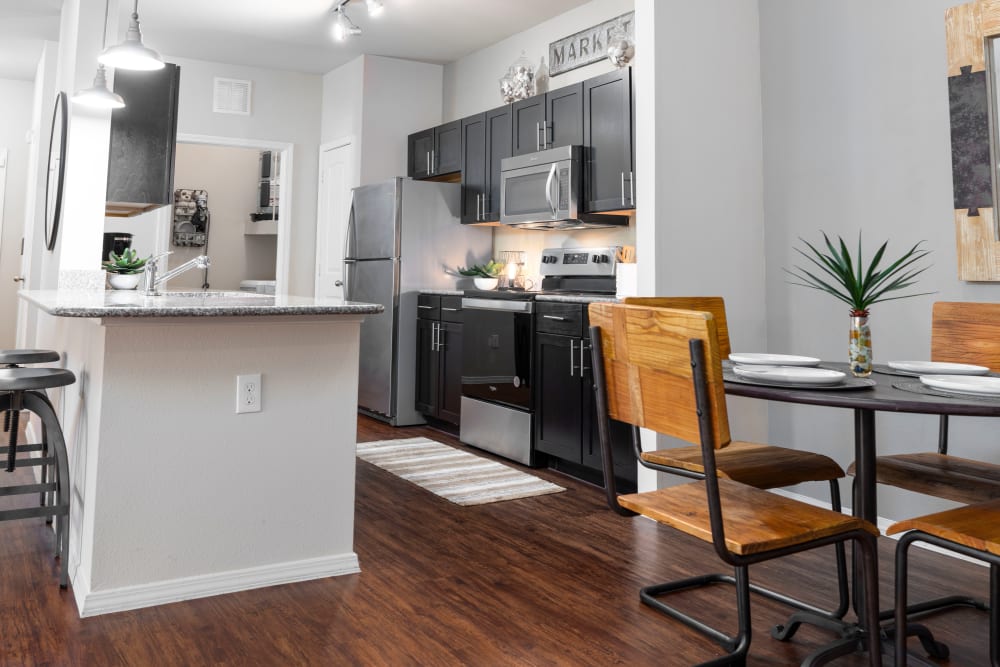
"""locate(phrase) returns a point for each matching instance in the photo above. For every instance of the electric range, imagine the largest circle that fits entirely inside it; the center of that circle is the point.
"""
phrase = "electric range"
(498, 348)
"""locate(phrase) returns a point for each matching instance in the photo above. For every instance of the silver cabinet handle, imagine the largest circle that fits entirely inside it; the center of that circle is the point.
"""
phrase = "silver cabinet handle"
(451, 310)
(486, 200)
(426, 307)
(582, 348)
(623, 188)
(545, 135)
(480, 207)
(538, 131)
(440, 338)
(427, 162)
(433, 161)
(435, 327)
(548, 189)
(554, 317)
(631, 188)
(572, 360)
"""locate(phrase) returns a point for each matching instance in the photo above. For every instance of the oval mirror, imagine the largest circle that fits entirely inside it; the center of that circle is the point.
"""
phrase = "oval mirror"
(56, 171)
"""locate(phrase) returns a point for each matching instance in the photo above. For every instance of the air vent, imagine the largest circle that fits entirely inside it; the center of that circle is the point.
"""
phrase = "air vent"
(232, 96)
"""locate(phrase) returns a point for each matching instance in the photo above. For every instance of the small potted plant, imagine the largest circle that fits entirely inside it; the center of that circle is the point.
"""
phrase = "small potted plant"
(124, 270)
(485, 276)
(859, 285)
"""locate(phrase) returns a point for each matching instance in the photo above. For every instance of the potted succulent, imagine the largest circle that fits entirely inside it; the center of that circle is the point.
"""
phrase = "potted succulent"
(485, 276)
(124, 270)
(859, 285)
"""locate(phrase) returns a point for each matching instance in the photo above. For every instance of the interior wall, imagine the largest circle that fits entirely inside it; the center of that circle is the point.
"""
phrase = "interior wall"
(700, 221)
(230, 176)
(15, 121)
(286, 107)
(856, 139)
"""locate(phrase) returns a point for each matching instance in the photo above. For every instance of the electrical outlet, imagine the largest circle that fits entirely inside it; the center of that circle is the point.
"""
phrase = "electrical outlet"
(248, 393)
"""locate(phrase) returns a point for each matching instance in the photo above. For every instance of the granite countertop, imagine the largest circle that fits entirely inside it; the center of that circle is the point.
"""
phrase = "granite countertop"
(575, 298)
(212, 303)
(443, 292)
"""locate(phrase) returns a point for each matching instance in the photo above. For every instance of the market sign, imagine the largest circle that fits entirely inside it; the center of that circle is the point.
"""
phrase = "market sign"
(590, 45)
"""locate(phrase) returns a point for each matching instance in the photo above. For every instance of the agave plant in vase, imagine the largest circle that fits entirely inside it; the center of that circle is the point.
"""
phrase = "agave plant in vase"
(859, 285)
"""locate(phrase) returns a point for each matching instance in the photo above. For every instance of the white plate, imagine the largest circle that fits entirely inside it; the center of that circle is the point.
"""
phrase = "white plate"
(964, 384)
(790, 375)
(937, 368)
(772, 359)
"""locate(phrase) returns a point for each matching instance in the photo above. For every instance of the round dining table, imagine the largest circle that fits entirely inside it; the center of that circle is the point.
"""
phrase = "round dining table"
(883, 395)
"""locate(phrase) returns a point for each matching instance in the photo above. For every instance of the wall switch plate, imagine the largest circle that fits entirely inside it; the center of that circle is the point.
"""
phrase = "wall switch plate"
(248, 393)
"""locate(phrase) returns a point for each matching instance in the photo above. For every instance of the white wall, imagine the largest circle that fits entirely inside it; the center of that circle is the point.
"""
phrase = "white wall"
(15, 122)
(343, 97)
(286, 108)
(700, 222)
(856, 137)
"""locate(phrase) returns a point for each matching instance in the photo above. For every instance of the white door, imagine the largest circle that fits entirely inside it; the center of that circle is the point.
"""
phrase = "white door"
(337, 175)
(10, 238)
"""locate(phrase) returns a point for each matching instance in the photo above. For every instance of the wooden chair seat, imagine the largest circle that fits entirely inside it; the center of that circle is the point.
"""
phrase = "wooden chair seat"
(755, 521)
(975, 526)
(941, 475)
(763, 466)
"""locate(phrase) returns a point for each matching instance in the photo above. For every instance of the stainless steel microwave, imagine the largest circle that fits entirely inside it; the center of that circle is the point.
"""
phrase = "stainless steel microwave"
(544, 190)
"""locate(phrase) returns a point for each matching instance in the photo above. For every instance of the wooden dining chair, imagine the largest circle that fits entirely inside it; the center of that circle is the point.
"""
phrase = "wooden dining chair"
(973, 531)
(761, 465)
(661, 369)
(966, 333)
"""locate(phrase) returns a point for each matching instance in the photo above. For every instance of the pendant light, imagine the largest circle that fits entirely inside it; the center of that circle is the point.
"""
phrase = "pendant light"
(343, 26)
(98, 96)
(132, 54)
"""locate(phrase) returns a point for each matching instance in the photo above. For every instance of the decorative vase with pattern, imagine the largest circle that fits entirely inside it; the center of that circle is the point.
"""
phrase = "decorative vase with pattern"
(860, 348)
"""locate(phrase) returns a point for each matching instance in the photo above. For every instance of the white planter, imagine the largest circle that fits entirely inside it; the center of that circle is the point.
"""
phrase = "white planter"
(486, 283)
(124, 280)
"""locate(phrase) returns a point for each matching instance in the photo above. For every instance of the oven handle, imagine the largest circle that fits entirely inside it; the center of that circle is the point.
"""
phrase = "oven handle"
(511, 305)
(548, 190)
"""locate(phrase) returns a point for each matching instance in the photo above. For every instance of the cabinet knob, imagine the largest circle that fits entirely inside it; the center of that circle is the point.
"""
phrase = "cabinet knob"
(18, 279)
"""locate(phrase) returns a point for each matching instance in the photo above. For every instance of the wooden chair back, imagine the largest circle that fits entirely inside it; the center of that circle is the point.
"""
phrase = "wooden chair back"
(647, 364)
(708, 304)
(966, 333)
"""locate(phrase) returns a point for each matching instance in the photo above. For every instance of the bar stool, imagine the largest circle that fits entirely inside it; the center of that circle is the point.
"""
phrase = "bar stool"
(15, 359)
(24, 389)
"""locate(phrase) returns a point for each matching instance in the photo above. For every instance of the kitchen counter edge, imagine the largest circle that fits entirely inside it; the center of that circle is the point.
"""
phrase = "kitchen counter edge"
(91, 303)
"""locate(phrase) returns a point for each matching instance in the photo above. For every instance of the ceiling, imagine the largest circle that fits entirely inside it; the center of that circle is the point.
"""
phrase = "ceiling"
(287, 35)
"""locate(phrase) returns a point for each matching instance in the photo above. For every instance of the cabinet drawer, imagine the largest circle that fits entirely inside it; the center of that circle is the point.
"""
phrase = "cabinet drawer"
(428, 306)
(560, 318)
(451, 309)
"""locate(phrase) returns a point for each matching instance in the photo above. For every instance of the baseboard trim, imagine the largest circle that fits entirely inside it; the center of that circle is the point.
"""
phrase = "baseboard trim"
(94, 603)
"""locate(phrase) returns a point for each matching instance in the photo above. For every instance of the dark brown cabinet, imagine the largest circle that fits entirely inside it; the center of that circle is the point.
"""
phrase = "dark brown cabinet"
(486, 140)
(439, 357)
(609, 142)
(435, 152)
(565, 410)
(549, 120)
(143, 141)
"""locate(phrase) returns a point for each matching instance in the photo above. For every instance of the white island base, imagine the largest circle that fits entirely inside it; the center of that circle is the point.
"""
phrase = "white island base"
(174, 495)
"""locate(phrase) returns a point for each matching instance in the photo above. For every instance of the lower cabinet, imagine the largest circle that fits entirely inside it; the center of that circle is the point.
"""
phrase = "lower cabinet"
(439, 357)
(565, 410)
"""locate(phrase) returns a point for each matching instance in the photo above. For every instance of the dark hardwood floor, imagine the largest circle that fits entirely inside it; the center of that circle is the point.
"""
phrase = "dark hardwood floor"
(550, 580)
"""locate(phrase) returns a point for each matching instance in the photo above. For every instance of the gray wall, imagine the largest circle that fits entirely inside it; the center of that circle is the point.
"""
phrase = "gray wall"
(856, 137)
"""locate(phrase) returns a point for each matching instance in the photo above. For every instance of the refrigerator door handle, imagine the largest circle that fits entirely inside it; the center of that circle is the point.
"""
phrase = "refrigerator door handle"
(349, 236)
(348, 268)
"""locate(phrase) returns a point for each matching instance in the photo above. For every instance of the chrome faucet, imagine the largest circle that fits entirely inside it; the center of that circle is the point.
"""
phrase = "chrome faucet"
(153, 281)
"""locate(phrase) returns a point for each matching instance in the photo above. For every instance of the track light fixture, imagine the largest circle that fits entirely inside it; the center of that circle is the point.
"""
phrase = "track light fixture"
(343, 26)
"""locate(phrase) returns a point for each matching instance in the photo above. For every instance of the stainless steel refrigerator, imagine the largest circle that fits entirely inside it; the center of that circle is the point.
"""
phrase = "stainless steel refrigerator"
(403, 236)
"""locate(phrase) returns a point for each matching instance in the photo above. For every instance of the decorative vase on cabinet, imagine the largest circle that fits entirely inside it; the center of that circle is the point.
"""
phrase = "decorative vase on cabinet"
(860, 348)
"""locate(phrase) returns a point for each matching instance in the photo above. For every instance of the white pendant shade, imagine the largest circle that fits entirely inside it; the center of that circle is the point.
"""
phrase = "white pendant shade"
(98, 96)
(131, 54)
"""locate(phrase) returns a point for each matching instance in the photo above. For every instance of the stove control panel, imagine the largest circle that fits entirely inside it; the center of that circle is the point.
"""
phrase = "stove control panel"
(579, 261)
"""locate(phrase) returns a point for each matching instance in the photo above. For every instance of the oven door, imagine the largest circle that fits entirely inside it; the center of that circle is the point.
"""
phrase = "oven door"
(539, 194)
(496, 351)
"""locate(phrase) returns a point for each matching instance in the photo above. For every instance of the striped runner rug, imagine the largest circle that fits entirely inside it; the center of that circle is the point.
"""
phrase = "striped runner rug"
(461, 477)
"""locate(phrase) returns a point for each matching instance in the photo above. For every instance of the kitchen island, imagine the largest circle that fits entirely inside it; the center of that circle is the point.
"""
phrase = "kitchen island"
(176, 496)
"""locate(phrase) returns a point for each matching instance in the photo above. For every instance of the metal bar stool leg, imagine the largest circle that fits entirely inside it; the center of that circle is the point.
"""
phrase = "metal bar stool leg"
(15, 415)
(37, 402)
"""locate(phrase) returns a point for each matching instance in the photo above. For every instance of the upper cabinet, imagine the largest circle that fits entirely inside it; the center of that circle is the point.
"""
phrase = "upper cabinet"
(435, 152)
(549, 120)
(143, 141)
(609, 142)
(486, 139)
